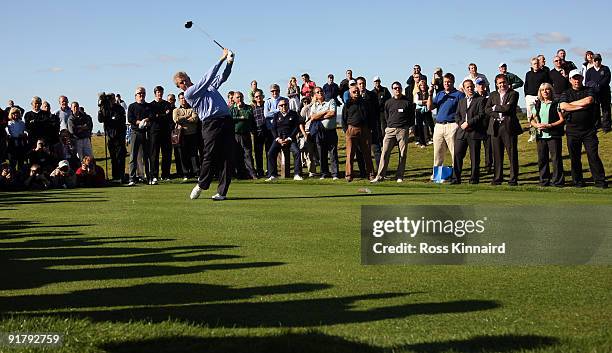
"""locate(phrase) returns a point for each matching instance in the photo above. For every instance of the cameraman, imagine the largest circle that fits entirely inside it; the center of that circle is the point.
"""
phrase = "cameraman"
(112, 115)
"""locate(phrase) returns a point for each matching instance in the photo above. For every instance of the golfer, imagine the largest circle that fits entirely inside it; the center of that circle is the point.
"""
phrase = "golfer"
(217, 125)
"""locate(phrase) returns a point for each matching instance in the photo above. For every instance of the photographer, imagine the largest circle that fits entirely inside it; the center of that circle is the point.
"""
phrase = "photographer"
(63, 176)
(90, 175)
(80, 126)
(112, 115)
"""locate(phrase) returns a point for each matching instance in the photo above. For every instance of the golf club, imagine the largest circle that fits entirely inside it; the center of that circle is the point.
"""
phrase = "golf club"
(190, 24)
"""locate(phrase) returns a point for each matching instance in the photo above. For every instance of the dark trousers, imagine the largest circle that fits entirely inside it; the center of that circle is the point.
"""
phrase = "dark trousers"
(488, 152)
(190, 161)
(244, 155)
(16, 153)
(502, 141)
(275, 149)
(421, 129)
(604, 100)
(178, 160)
(263, 138)
(591, 146)
(117, 151)
(549, 150)
(160, 140)
(218, 145)
(139, 139)
(327, 146)
(461, 147)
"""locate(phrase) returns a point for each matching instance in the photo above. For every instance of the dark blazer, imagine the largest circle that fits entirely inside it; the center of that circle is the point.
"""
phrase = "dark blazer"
(508, 108)
(476, 118)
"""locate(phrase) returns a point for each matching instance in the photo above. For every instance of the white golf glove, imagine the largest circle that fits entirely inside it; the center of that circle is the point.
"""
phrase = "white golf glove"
(230, 57)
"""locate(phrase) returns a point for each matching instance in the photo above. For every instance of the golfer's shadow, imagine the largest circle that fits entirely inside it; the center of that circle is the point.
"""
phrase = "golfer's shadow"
(318, 342)
(360, 195)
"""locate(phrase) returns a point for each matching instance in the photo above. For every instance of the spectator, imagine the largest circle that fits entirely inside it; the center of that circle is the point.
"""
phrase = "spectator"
(230, 99)
(139, 115)
(399, 117)
(580, 111)
(542, 63)
(504, 129)
(446, 102)
(10, 180)
(80, 126)
(271, 105)
(41, 156)
(159, 132)
(412, 83)
(90, 175)
(533, 79)
(307, 86)
(187, 119)
(64, 112)
(253, 90)
(113, 118)
(514, 81)
(262, 135)
(285, 127)
(244, 124)
(488, 148)
(36, 180)
(45, 107)
(325, 135)
(63, 176)
(16, 140)
(437, 81)
(293, 93)
(345, 85)
(121, 102)
(357, 133)
(11, 104)
(331, 90)
(471, 119)
(588, 63)
(549, 122)
(41, 124)
(558, 77)
(307, 137)
(65, 149)
(565, 64)
(373, 115)
(598, 79)
(178, 164)
(424, 124)
(383, 94)
(474, 75)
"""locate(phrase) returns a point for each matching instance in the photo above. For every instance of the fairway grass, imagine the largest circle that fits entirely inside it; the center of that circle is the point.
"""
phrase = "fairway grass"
(276, 268)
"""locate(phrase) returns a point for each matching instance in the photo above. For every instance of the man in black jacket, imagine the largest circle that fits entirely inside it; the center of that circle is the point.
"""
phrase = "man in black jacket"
(373, 120)
(41, 124)
(357, 133)
(139, 116)
(504, 129)
(410, 82)
(598, 78)
(161, 126)
(472, 122)
(112, 115)
(285, 127)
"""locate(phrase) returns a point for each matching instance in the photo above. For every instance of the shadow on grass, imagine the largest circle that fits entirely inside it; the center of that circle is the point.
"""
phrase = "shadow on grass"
(316, 342)
(339, 196)
(287, 313)
(49, 196)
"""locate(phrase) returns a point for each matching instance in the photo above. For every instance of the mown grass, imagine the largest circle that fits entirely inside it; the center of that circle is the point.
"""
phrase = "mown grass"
(277, 269)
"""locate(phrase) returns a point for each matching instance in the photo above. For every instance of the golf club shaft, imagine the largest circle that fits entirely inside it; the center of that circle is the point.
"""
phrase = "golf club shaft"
(208, 35)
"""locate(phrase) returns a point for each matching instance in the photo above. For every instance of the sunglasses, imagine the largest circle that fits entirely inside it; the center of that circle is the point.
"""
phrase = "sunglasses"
(140, 94)
(282, 105)
(274, 90)
(318, 92)
(397, 87)
(257, 97)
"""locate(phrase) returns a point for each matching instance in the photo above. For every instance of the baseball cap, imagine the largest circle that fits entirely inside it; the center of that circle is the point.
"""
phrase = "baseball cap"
(376, 78)
(502, 64)
(352, 82)
(63, 164)
(575, 72)
(479, 81)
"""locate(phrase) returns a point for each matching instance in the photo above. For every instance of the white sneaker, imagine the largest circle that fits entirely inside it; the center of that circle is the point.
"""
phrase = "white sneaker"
(195, 192)
(218, 197)
(131, 183)
(185, 179)
(400, 180)
(335, 178)
(297, 177)
(376, 180)
(154, 181)
(311, 175)
(322, 177)
(272, 178)
(430, 142)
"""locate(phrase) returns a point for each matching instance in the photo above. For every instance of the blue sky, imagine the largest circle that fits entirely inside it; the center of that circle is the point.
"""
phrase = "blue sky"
(79, 48)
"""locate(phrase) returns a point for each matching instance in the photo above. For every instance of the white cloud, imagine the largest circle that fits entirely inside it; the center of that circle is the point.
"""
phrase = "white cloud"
(552, 37)
(126, 65)
(53, 69)
(167, 58)
(497, 41)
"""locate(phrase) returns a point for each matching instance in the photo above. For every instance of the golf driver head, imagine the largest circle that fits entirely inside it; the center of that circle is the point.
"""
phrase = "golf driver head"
(188, 24)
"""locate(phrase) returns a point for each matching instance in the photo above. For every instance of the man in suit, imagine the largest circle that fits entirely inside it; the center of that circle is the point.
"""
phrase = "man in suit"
(471, 119)
(504, 129)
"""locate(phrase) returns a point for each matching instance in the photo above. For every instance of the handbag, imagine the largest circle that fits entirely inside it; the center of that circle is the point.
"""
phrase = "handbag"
(176, 136)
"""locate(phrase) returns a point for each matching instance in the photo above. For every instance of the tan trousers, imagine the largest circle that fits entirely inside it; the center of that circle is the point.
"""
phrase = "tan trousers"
(443, 140)
(393, 136)
(358, 137)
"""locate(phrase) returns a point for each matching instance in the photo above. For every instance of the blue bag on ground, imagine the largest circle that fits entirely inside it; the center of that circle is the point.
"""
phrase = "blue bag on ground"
(441, 174)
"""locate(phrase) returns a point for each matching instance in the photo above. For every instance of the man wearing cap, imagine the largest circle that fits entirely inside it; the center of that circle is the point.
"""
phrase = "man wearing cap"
(504, 129)
(579, 109)
(217, 125)
(271, 104)
(559, 77)
(475, 75)
(514, 81)
(598, 78)
(139, 115)
(444, 132)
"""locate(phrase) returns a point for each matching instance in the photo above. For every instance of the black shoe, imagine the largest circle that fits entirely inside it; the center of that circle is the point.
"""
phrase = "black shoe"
(455, 182)
(495, 183)
(579, 185)
(513, 184)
